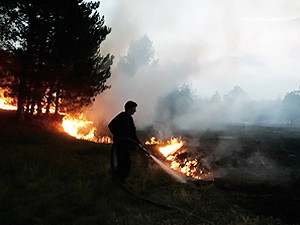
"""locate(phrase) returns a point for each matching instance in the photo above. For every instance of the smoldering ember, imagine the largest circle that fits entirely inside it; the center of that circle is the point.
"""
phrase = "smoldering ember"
(203, 159)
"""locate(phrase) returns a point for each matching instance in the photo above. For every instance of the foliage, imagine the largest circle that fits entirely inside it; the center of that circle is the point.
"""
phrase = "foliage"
(291, 106)
(181, 109)
(58, 47)
(176, 103)
(140, 53)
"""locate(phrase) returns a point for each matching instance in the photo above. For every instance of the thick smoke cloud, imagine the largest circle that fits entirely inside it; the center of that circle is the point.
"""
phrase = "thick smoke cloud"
(252, 44)
(243, 160)
(140, 76)
(168, 104)
(203, 65)
(208, 46)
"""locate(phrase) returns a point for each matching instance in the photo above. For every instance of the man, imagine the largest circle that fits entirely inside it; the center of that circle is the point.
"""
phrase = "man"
(124, 137)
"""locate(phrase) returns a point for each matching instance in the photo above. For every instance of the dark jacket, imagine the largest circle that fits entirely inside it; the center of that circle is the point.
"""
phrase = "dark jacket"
(122, 127)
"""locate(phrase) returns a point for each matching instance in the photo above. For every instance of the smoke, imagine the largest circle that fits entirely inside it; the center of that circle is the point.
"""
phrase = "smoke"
(204, 65)
(243, 160)
(182, 63)
(167, 103)
(139, 76)
(252, 44)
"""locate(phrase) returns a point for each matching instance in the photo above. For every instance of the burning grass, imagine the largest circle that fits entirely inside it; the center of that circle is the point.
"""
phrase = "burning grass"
(50, 178)
(179, 158)
(7, 102)
(76, 125)
(83, 129)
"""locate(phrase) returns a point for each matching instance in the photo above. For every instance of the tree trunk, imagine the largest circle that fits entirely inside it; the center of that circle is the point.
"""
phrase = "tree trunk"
(57, 102)
(49, 101)
(32, 105)
(39, 108)
(21, 98)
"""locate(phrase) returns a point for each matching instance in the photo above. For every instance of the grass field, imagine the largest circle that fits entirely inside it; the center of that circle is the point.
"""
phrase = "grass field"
(49, 178)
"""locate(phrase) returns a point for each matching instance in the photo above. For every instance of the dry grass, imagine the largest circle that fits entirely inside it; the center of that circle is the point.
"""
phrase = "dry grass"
(48, 178)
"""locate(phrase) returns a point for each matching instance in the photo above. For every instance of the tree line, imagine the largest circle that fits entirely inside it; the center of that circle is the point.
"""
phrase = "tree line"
(50, 54)
(182, 109)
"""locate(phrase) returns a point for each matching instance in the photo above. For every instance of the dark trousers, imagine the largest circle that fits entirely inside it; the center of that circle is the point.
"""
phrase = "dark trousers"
(123, 160)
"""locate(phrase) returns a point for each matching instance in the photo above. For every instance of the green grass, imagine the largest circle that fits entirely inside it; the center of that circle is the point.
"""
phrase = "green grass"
(48, 178)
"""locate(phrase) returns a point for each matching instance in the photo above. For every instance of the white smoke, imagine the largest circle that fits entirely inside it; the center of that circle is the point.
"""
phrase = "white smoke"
(208, 46)
(203, 65)
(167, 103)
(252, 44)
(139, 76)
(243, 160)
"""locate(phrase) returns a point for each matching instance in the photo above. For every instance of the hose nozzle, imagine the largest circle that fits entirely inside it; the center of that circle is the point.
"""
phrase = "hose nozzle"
(144, 150)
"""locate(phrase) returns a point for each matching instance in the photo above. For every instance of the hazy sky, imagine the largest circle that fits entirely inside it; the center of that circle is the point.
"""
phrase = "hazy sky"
(214, 44)
(210, 45)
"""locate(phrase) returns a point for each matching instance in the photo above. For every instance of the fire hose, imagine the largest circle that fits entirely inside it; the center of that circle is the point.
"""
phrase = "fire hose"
(163, 205)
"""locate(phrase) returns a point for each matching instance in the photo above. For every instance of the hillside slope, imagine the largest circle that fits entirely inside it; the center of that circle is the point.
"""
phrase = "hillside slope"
(47, 177)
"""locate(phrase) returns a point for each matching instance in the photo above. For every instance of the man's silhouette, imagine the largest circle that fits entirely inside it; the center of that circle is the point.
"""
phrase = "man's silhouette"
(124, 137)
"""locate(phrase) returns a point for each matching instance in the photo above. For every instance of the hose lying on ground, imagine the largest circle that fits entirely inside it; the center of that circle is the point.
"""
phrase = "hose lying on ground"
(120, 184)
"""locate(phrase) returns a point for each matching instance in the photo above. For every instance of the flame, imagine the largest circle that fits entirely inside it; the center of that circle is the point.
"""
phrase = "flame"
(153, 141)
(6, 102)
(167, 147)
(81, 128)
(171, 149)
(9, 103)
(172, 146)
(78, 127)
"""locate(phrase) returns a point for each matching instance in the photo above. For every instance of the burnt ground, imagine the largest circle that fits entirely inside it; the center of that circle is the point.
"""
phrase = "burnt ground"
(282, 202)
(258, 167)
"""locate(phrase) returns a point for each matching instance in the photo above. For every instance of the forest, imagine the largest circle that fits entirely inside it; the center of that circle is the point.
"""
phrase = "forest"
(50, 55)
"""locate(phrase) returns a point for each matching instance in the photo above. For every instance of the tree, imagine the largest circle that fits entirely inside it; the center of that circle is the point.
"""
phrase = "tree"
(140, 53)
(237, 94)
(291, 106)
(175, 104)
(58, 45)
(236, 105)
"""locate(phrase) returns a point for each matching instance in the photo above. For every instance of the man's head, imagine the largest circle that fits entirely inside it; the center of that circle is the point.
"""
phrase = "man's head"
(130, 107)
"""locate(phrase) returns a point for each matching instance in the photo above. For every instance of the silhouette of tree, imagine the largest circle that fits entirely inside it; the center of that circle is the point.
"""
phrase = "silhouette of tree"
(237, 94)
(236, 105)
(140, 53)
(216, 98)
(291, 106)
(58, 45)
(175, 104)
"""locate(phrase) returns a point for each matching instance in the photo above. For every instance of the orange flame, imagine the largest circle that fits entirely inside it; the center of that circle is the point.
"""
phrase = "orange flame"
(168, 147)
(78, 127)
(172, 146)
(6, 102)
(81, 128)
(170, 150)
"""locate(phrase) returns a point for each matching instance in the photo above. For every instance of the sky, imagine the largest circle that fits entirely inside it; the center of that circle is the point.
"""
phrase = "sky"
(210, 45)
(251, 43)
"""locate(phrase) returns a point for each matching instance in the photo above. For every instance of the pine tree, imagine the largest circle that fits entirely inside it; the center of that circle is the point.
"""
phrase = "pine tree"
(58, 46)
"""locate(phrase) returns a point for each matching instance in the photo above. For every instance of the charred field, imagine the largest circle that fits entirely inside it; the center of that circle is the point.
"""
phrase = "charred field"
(48, 177)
